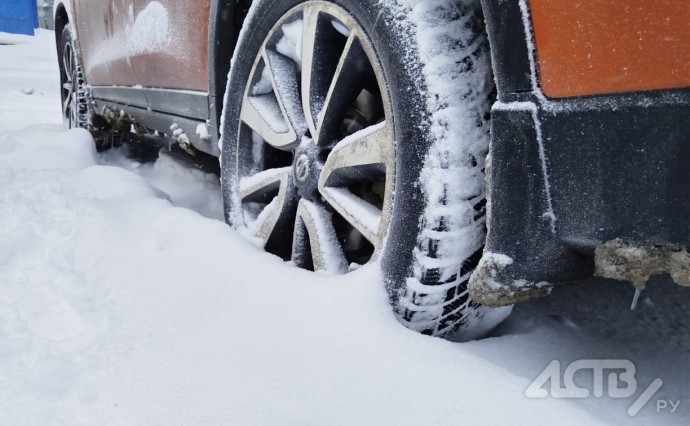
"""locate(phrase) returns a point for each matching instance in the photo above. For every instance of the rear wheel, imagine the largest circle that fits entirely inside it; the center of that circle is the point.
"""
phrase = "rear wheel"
(75, 104)
(330, 156)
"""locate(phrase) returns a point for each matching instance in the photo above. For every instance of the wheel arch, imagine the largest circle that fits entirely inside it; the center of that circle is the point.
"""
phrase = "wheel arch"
(61, 12)
(510, 52)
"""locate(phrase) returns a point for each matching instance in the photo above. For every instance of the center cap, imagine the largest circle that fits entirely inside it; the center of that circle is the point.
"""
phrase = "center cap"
(302, 167)
(307, 169)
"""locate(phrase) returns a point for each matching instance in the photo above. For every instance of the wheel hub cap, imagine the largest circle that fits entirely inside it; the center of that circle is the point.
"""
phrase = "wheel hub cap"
(302, 168)
(307, 169)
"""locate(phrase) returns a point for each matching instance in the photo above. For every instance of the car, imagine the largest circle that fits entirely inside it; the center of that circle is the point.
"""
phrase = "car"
(479, 154)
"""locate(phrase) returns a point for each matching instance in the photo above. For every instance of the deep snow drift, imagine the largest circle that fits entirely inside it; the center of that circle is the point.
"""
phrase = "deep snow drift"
(124, 300)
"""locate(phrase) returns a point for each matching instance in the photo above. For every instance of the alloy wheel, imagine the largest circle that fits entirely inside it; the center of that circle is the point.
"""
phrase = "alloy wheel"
(315, 147)
(69, 99)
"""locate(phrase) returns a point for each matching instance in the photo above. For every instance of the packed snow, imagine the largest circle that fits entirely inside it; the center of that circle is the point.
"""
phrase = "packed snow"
(124, 299)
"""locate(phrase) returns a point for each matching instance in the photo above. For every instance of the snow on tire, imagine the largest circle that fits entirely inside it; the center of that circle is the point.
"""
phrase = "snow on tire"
(454, 70)
(356, 131)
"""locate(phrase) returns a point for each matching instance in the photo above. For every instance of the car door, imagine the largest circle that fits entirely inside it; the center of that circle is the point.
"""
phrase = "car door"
(169, 53)
(103, 27)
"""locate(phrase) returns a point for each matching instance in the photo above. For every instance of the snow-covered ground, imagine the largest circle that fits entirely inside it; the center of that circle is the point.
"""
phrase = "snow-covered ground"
(124, 299)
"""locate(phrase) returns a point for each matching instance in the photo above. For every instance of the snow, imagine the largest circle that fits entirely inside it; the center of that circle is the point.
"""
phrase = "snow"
(37, 55)
(342, 29)
(121, 304)
(150, 30)
(188, 187)
(290, 44)
(455, 101)
(179, 135)
(10, 38)
(203, 131)
(453, 75)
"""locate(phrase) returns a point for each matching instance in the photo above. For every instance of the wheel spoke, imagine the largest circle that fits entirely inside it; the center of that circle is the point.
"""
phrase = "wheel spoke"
(73, 113)
(313, 225)
(347, 83)
(310, 19)
(71, 76)
(263, 115)
(67, 61)
(322, 47)
(365, 217)
(252, 188)
(67, 103)
(369, 146)
(284, 79)
(260, 188)
(364, 149)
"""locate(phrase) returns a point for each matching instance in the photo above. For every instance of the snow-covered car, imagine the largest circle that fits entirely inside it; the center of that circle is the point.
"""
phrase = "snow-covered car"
(398, 131)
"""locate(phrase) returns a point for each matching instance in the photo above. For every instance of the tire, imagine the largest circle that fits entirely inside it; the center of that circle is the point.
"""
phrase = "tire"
(76, 107)
(423, 172)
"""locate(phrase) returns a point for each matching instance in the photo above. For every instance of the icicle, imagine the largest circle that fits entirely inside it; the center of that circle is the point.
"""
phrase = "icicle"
(635, 298)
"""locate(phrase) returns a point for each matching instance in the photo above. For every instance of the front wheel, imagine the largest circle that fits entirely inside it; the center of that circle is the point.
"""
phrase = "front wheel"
(341, 147)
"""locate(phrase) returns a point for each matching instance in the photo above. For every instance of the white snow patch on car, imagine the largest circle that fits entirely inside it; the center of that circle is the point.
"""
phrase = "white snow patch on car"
(150, 30)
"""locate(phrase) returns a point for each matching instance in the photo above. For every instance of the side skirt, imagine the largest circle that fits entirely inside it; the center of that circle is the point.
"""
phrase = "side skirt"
(184, 115)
